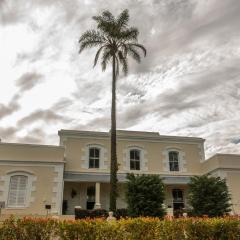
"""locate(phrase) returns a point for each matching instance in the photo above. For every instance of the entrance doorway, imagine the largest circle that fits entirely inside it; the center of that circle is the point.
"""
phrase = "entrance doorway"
(90, 197)
(178, 200)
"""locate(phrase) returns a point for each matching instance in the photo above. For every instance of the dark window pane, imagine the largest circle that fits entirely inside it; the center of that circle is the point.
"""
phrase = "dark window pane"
(137, 155)
(91, 163)
(96, 163)
(97, 153)
(176, 167)
(132, 154)
(137, 165)
(132, 166)
(177, 195)
(91, 152)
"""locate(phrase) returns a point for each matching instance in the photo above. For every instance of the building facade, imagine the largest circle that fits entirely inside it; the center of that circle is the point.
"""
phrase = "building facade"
(37, 179)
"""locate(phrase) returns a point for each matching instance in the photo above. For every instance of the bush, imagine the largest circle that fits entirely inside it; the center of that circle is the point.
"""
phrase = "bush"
(209, 195)
(28, 229)
(227, 228)
(145, 195)
(95, 213)
(121, 213)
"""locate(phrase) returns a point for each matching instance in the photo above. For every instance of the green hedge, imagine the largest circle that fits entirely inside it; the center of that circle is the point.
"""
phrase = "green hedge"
(130, 229)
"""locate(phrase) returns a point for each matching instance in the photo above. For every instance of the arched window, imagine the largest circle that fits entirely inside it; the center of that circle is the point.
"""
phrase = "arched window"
(94, 157)
(134, 159)
(17, 191)
(173, 161)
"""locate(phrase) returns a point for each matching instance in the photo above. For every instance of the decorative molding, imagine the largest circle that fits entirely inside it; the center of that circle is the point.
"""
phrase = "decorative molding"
(165, 160)
(103, 164)
(105, 177)
(220, 173)
(29, 163)
(31, 186)
(143, 157)
(182, 159)
(57, 192)
(201, 152)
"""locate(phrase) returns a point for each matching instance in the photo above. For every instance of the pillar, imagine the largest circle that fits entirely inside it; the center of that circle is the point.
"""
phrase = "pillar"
(97, 196)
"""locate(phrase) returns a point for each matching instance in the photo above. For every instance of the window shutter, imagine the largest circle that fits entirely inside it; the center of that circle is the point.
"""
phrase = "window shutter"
(17, 190)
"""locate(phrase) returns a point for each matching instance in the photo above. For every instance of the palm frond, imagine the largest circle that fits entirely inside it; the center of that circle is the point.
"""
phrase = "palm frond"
(89, 44)
(97, 55)
(134, 54)
(91, 35)
(107, 15)
(139, 46)
(123, 19)
(91, 38)
(123, 61)
(129, 34)
(105, 22)
(106, 58)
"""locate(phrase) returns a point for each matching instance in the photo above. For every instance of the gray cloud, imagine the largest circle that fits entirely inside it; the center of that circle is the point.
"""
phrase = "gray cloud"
(13, 106)
(62, 104)
(28, 80)
(47, 116)
(34, 136)
(7, 133)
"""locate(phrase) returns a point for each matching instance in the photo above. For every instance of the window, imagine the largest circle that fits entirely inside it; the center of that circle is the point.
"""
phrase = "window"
(177, 195)
(17, 191)
(94, 157)
(134, 159)
(178, 201)
(173, 161)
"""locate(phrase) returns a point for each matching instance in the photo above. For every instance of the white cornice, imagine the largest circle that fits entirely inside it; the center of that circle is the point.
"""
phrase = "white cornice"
(9, 162)
(31, 145)
(141, 136)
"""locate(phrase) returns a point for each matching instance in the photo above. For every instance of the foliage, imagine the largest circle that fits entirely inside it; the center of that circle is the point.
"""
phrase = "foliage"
(99, 213)
(28, 229)
(121, 213)
(83, 213)
(116, 41)
(209, 195)
(227, 228)
(145, 195)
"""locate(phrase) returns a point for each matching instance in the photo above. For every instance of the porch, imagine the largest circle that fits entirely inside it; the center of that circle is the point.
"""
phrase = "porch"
(91, 191)
(89, 195)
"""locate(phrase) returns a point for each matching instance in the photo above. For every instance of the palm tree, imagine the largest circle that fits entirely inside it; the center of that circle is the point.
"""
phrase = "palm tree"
(115, 41)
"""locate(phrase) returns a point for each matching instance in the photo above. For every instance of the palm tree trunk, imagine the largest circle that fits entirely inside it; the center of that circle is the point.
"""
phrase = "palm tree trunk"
(113, 173)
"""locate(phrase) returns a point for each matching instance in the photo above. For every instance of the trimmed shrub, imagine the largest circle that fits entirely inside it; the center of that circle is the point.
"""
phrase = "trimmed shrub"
(28, 229)
(227, 228)
(145, 195)
(209, 195)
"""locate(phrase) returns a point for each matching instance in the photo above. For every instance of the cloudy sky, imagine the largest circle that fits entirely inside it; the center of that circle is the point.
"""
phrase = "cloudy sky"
(188, 85)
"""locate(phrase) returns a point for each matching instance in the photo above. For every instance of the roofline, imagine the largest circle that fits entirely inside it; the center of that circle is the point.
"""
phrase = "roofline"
(32, 145)
(155, 136)
(216, 155)
(226, 154)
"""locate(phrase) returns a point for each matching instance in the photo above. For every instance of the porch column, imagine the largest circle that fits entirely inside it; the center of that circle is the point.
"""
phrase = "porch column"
(97, 196)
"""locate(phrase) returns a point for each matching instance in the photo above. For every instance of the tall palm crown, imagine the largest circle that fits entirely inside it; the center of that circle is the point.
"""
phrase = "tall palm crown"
(116, 41)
